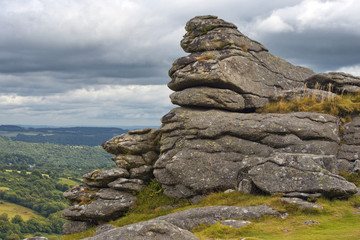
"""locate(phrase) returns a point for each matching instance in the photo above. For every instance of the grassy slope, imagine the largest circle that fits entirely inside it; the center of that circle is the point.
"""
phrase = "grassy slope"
(339, 219)
(13, 209)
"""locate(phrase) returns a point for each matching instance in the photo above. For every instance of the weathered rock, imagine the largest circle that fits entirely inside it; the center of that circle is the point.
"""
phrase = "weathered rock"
(135, 142)
(76, 226)
(235, 223)
(129, 161)
(284, 173)
(144, 172)
(224, 58)
(309, 222)
(210, 33)
(124, 184)
(304, 196)
(352, 132)
(101, 178)
(336, 82)
(349, 152)
(107, 204)
(103, 228)
(80, 193)
(302, 204)
(300, 93)
(193, 217)
(149, 230)
(209, 97)
(36, 238)
(207, 150)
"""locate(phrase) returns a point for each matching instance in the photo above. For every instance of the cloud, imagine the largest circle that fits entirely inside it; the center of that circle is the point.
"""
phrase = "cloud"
(354, 70)
(319, 34)
(111, 105)
(105, 62)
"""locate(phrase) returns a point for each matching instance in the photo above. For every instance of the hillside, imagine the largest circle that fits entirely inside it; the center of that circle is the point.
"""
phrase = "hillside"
(54, 157)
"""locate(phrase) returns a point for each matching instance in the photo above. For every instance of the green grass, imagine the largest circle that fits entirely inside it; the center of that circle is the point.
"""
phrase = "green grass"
(13, 209)
(339, 220)
(4, 188)
(69, 182)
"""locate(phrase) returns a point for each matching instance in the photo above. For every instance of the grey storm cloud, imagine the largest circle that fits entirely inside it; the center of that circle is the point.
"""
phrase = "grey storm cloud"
(90, 62)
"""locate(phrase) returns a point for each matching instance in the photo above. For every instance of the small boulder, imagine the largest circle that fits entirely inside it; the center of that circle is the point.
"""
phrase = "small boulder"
(101, 178)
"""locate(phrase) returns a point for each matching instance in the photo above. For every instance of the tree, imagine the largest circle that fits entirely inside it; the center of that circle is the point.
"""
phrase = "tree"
(18, 220)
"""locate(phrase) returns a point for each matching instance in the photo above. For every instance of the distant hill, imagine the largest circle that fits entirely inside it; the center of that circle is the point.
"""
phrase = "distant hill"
(89, 136)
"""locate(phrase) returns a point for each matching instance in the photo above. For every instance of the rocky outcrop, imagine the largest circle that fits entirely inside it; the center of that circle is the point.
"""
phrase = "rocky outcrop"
(336, 82)
(208, 150)
(349, 153)
(175, 225)
(227, 70)
(213, 143)
(108, 194)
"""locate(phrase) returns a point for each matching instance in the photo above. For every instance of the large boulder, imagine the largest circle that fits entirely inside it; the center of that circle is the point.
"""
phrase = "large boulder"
(349, 153)
(224, 59)
(175, 225)
(208, 150)
(283, 173)
(106, 204)
(337, 82)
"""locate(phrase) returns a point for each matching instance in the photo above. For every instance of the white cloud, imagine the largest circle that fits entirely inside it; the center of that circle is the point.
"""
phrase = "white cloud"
(354, 70)
(310, 14)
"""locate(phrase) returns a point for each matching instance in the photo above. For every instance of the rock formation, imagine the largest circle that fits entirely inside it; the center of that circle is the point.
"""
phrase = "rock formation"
(107, 194)
(176, 225)
(215, 141)
(212, 143)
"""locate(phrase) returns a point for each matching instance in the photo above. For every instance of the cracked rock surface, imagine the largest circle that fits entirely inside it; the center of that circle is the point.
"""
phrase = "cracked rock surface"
(227, 70)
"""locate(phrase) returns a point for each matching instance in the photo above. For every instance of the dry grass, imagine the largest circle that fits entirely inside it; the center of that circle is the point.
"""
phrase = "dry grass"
(341, 105)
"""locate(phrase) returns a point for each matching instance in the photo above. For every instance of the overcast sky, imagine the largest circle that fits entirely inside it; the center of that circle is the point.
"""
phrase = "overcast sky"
(105, 63)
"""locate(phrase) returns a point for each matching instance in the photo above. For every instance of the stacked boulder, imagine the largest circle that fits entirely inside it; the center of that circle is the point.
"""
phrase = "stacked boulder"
(108, 194)
(214, 141)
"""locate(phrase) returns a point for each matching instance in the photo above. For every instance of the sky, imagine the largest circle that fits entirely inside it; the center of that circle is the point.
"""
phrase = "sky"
(105, 63)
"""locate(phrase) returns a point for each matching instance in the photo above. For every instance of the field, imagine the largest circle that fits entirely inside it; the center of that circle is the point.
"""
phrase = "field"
(13, 209)
(69, 182)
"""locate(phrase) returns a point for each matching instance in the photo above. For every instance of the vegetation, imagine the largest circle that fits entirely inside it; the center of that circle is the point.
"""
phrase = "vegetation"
(339, 219)
(341, 105)
(16, 228)
(71, 160)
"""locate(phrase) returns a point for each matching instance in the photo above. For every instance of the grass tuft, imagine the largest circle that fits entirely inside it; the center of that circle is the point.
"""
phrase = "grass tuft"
(341, 105)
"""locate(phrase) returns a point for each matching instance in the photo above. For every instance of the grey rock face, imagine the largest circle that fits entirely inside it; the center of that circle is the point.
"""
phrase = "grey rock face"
(302, 204)
(223, 58)
(235, 223)
(349, 152)
(191, 218)
(101, 178)
(107, 204)
(207, 150)
(209, 97)
(175, 225)
(124, 184)
(135, 142)
(76, 226)
(149, 230)
(299, 173)
(336, 82)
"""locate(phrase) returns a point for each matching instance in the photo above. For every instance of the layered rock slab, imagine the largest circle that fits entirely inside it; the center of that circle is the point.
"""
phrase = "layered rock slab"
(209, 150)
(349, 153)
(176, 225)
(223, 58)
